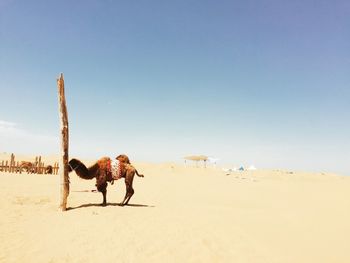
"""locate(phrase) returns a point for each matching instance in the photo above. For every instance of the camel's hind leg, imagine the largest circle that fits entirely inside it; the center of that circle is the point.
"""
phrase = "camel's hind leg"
(129, 193)
(129, 190)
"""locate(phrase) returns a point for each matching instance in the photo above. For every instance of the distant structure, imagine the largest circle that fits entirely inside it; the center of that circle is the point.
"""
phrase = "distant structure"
(252, 168)
(213, 161)
(197, 159)
(36, 167)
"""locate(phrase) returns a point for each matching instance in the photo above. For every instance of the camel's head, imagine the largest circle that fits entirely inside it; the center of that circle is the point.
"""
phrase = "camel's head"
(73, 164)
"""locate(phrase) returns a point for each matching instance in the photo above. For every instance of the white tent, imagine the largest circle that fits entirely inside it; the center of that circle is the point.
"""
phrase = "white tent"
(197, 158)
(213, 160)
(251, 168)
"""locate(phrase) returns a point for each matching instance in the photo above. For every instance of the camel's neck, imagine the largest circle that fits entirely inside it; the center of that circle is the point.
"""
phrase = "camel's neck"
(92, 170)
(86, 173)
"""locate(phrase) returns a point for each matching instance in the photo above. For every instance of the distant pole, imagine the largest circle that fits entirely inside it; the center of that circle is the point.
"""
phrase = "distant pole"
(12, 163)
(63, 160)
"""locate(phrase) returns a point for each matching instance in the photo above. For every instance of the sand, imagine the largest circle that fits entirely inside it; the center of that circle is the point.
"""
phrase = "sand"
(179, 214)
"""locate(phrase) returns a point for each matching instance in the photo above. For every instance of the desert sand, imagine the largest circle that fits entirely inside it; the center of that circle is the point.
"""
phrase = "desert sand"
(179, 214)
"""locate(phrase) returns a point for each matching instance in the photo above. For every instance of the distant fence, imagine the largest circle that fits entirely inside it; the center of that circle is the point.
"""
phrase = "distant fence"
(36, 167)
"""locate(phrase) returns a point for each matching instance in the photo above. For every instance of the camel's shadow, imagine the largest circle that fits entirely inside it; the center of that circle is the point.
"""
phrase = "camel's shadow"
(108, 204)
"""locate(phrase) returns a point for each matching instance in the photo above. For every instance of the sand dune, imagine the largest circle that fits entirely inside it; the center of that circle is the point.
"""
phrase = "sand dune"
(179, 214)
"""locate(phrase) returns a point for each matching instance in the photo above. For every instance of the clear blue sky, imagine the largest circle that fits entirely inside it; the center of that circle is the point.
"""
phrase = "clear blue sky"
(249, 82)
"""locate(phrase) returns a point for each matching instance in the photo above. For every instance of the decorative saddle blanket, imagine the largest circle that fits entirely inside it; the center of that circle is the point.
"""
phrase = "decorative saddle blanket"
(116, 169)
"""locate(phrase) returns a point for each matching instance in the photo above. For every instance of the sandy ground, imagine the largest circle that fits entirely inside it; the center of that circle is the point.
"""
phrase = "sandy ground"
(179, 214)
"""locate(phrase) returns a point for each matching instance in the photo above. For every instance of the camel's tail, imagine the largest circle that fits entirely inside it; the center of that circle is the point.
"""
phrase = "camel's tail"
(140, 175)
(80, 169)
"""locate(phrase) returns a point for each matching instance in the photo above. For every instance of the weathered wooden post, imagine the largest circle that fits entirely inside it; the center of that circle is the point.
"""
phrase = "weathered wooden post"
(12, 163)
(35, 166)
(39, 165)
(18, 168)
(63, 160)
(55, 168)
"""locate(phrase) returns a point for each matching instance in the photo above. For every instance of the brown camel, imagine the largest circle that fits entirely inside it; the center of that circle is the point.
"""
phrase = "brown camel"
(104, 170)
(48, 169)
(28, 166)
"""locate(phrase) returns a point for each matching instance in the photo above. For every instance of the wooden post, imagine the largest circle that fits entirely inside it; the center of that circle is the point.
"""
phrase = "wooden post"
(63, 160)
(12, 163)
(35, 166)
(20, 167)
(39, 164)
(56, 168)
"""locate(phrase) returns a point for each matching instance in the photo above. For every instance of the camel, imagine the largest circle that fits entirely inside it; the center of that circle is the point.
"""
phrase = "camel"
(48, 169)
(107, 170)
(28, 166)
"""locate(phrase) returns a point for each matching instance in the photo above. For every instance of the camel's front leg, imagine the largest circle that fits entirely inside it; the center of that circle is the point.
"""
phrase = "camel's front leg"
(102, 187)
(104, 194)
